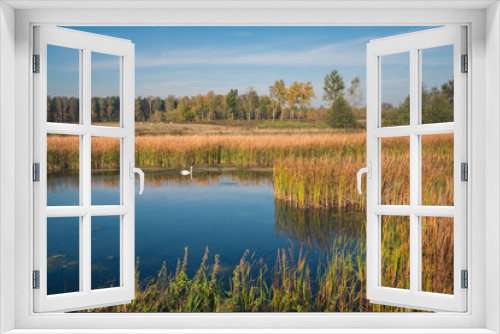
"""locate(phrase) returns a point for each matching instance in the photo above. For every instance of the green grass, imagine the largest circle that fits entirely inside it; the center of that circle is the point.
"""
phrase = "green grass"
(338, 286)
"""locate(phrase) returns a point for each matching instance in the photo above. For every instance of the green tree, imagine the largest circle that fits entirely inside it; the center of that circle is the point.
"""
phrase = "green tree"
(251, 99)
(436, 107)
(340, 114)
(187, 113)
(399, 115)
(110, 109)
(263, 105)
(232, 103)
(334, 87)
(73, 109)
(50, 111)
(94, 106)
(138, 113)
(65, 107)
(103, 104)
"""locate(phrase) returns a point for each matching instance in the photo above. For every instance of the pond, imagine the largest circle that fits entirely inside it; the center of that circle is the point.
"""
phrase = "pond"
(227, 212)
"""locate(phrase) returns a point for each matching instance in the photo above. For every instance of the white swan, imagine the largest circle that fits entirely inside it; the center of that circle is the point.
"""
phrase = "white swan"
(187, 172)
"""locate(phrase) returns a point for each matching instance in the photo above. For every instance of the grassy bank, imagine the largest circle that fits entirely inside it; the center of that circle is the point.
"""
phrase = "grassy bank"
(338, 284)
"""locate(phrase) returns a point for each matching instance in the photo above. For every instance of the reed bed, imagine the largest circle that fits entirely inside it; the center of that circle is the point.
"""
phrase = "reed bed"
(170, 151)
(261, 150)
(319, 182)
(289, 286)
(311, 172)
(337, 284)
(63, 152)
(330, 181)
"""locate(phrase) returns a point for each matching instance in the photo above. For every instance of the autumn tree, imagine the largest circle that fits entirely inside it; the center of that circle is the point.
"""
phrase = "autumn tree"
(277, 93)
(211, 104)
(292, 97)
(305, 95)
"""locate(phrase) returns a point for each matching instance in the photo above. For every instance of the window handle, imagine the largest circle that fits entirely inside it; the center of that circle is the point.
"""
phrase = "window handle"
(134, 170)
(368, 171)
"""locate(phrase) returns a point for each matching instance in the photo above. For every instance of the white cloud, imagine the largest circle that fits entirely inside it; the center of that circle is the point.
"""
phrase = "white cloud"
(351, 53)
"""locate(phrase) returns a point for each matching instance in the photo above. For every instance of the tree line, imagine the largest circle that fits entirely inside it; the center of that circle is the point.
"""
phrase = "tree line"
(437, 107)
(281, 103)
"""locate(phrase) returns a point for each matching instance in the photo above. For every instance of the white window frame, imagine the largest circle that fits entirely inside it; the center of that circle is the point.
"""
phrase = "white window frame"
(85, 44)
(413, 44)
(484, 233)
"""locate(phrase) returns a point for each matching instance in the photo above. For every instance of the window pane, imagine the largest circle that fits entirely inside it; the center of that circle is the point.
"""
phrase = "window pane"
(63, 84)
(63, 162)
(105, 101)
(395, 171)
(437, 84)
(105, 252)
(105, 168)
(437, 254)
(395, 89)
(63, 255)
(395, 252)
(437, 169)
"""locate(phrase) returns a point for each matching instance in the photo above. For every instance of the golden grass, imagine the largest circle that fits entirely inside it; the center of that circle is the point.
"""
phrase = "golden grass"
(330, 181)
(310, 171)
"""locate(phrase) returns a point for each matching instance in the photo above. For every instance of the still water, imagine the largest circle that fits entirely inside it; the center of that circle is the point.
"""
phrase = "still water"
(227, 213)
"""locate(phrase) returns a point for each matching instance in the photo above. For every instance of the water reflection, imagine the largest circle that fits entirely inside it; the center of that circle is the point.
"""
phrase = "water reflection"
(316, 228)
(228, 211)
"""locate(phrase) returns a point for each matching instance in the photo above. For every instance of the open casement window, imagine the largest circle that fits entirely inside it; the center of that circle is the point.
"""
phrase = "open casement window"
(416, 198)
(79, 219)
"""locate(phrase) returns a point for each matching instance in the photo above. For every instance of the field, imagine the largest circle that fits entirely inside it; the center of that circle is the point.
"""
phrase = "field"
(314, 168)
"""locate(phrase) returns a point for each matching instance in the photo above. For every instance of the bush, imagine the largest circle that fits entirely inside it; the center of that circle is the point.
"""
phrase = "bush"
(341, 114)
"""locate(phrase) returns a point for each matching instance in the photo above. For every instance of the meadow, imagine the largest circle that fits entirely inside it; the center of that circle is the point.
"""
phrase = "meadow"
(313, 169)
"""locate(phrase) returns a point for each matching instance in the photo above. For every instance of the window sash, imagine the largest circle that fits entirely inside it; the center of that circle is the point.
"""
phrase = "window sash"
(86, 297)
(413, 43)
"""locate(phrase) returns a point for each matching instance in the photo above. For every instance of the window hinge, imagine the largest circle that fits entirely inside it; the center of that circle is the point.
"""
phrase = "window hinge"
(36, 172)
(36, 63)
(36, 279)
(465, 64)
(464, 173)
(465, 279)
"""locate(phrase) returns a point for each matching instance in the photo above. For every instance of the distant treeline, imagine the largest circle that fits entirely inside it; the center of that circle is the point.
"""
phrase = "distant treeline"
(437, 107)
(282, 103)
(210, 106)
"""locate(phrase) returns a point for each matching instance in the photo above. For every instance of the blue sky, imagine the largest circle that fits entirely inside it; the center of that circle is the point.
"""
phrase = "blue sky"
(191, 60)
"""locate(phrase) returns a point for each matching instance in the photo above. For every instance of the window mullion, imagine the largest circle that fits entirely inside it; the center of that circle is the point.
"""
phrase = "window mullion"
(414, 171)
(85, 167)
